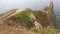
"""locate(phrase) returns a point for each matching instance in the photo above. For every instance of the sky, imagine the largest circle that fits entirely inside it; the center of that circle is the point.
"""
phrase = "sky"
(6, 5)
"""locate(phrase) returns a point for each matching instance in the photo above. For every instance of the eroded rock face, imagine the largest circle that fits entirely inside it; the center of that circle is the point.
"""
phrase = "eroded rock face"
(41, 17)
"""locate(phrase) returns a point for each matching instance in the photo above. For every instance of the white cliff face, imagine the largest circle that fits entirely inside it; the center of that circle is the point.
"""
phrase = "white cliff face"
(38, 25)
(32, 16)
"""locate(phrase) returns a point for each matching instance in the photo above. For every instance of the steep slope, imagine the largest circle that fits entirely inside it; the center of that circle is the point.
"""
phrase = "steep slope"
(41, 17)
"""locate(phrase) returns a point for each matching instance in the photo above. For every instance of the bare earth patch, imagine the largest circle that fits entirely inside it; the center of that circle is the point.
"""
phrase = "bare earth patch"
(5, 29)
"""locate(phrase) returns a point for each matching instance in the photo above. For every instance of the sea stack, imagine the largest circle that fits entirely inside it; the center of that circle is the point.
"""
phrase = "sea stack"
(51, 15)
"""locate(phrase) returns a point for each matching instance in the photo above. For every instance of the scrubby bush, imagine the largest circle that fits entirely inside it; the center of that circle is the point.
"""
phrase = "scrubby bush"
(26, 20)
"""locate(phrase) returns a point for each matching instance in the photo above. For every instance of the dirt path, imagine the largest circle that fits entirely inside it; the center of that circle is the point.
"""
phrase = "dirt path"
(10, 14)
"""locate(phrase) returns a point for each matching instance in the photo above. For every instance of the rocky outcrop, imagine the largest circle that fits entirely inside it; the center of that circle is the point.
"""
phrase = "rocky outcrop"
(51, 18)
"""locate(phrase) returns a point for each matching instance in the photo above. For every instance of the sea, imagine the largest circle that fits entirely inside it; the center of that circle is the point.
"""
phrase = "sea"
(57, 13)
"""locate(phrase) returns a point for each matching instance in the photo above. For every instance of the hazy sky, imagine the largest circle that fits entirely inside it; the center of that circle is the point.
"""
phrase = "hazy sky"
(6, 5)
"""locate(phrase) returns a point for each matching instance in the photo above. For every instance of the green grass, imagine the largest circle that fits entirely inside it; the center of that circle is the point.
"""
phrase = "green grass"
(47, 30)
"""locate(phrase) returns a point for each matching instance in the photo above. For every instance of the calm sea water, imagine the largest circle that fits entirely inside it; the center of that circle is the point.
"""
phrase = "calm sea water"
(57, 13)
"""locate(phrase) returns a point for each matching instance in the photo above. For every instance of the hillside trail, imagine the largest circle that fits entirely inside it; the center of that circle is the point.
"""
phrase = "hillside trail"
(10, 14)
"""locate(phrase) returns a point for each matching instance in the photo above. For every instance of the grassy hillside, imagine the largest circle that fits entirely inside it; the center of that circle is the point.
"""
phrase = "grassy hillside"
(21, 22)
(23, 18)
